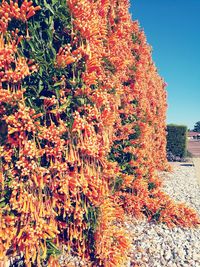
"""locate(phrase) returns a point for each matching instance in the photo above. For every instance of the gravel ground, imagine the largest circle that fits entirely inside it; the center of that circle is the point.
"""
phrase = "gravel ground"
(157, 245)
(196, 162)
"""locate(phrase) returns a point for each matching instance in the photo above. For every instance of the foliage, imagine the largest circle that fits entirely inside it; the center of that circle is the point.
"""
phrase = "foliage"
(82, 111)
(171, 157)
(197, 127)
(177, 140)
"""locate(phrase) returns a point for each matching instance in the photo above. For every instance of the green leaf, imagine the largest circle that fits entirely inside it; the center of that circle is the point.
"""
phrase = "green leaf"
(2, 204)
(52, 248)
(40, 87)
(48, 7)
(57, 84)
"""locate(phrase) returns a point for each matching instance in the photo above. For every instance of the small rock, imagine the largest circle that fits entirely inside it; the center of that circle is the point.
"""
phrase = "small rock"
(196, 256)
(168, 255)
(181, 253)
(172, 264)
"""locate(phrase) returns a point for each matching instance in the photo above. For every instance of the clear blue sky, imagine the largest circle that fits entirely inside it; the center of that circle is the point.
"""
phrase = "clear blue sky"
(172, 28)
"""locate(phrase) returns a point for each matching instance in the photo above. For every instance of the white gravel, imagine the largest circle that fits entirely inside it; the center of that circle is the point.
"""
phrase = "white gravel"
(157, 245)
(182, 185)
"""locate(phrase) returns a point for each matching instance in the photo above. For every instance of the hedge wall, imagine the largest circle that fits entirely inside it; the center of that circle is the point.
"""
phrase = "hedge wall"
(176, 140)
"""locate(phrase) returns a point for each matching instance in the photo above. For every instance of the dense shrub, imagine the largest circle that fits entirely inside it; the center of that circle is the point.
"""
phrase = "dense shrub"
(176, 142)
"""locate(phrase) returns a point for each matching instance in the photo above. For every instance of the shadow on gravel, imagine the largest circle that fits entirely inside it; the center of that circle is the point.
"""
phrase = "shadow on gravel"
(187, 164)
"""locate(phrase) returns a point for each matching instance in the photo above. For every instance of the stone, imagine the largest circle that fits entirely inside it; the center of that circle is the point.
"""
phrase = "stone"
(168, 255)
(181, 253)
(196, 256)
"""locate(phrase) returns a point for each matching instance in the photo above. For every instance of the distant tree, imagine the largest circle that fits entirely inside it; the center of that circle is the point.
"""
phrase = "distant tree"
(197, 127)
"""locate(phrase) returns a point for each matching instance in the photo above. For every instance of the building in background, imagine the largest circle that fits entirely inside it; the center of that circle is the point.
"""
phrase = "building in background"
(193, 135)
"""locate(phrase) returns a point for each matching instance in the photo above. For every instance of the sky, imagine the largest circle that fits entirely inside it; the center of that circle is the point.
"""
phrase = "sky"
(172, 28)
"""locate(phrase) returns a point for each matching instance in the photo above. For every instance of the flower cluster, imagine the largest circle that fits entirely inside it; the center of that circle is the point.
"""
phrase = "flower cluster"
(11, 9)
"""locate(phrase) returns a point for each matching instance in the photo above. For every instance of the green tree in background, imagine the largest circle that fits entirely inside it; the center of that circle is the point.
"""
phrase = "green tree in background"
(197, 127)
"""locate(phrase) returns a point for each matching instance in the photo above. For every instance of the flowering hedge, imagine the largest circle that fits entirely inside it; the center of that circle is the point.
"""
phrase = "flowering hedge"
(82, 112)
